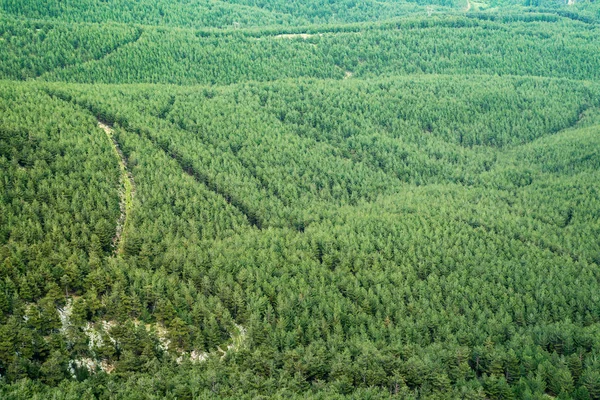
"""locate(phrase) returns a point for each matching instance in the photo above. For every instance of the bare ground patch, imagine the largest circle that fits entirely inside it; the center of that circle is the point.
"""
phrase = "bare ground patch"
(297, 35)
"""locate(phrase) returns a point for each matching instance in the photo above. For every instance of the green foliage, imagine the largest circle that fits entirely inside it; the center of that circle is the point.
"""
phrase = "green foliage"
(440, 45)
(214, 13)
(405, 208)
(29, 49)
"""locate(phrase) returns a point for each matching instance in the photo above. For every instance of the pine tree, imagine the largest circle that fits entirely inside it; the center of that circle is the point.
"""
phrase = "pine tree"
(591, 381)
(561, 381)
(54, 369)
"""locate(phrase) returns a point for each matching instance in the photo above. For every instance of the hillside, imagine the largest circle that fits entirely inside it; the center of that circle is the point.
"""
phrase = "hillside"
(342, 199)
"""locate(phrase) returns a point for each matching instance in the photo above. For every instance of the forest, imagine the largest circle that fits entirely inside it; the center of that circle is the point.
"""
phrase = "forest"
(336, 199)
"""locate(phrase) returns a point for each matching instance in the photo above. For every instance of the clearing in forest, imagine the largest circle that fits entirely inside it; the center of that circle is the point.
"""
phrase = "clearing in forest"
(297, 35)
(126, 193)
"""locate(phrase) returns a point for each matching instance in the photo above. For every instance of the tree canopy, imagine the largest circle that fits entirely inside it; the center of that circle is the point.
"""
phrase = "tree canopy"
(299, 206)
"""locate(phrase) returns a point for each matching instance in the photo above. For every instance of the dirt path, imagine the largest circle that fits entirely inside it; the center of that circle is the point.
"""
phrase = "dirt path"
(468, 5)
(126, 193)
(297, 35)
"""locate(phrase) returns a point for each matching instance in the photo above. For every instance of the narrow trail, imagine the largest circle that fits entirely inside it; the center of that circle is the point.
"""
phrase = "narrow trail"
(127, 189)
(468, 5)
(297, 35)
(126, 193)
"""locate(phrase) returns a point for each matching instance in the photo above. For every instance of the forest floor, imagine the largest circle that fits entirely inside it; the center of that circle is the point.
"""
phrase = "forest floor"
(126, 193)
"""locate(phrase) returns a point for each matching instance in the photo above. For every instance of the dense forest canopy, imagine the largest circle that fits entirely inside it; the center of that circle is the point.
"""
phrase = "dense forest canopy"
(299, 199)
(533, 44)
(218, 13)
(252, 13)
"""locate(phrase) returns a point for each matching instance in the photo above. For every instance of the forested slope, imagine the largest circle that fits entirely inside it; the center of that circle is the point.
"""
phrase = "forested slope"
(536, 44)
(449, 46)
(32, 48)
(252, 13)
(217, 13)
(405, 208)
